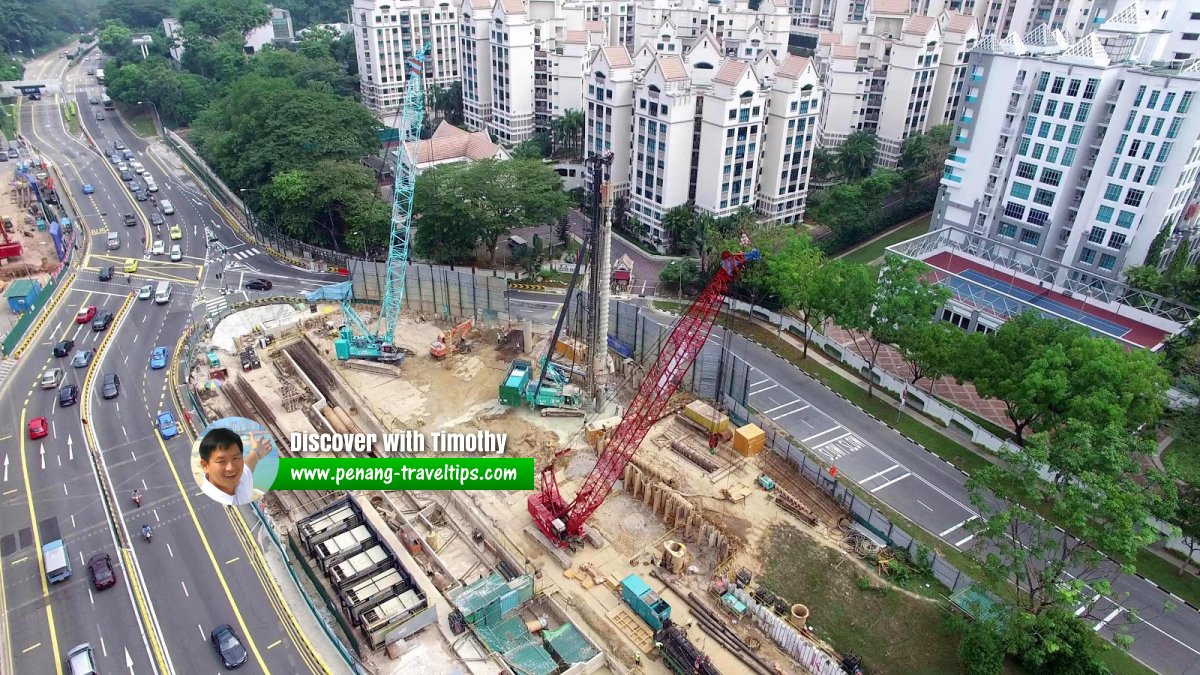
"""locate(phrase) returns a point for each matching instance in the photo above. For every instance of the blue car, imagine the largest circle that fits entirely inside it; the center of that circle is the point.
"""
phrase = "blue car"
(167, 426)
(158, 358)
(88, 189)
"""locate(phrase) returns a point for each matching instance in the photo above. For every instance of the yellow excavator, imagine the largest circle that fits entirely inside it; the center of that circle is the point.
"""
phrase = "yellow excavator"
(454, 341)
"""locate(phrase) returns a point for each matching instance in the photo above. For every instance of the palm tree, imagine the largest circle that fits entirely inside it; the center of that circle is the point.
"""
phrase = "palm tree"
(857, 155)
(572, 130)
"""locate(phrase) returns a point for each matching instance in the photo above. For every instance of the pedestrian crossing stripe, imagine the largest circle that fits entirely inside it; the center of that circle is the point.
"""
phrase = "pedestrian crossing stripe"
(216, 304)
(242, 255)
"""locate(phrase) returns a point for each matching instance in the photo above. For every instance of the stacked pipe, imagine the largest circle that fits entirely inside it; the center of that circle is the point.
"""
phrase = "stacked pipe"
(681, 655)
(716, 626)
(697, 458)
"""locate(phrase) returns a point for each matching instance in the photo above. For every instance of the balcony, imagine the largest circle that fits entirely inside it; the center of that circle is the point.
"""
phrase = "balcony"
(1019, 86)
(1013, 109)
(972, 99)
(1114, 95)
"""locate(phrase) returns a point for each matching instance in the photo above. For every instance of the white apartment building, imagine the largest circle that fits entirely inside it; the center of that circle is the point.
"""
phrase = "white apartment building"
(720, 131)
(894, 75)
(1073, 154)
(388, 33)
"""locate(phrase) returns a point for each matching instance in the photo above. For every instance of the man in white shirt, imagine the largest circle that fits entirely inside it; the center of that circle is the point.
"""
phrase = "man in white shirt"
(228, 474)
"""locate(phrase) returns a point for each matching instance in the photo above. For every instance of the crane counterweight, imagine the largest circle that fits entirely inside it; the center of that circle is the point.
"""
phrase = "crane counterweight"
(563, 522)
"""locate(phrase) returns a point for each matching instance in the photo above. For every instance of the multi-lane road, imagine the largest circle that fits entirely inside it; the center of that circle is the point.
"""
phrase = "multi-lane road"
(202, 569)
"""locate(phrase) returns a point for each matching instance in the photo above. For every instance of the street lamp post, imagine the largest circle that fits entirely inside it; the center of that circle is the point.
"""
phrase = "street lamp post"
(158, 125)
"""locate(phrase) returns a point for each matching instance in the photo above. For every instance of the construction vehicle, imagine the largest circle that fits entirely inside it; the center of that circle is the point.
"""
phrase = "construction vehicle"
(766, 482)
(356, 340)
(562, 521)
(553, 396)
(454, 341)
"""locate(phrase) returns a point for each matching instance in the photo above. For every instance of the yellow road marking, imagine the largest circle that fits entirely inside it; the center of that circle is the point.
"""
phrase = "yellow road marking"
(37, 544)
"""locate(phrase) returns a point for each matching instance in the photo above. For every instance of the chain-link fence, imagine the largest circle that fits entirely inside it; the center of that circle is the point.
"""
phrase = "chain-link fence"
(435, 290)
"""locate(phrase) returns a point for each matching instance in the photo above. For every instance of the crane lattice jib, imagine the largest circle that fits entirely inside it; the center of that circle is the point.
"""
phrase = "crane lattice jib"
(678, 353)
(411, 116)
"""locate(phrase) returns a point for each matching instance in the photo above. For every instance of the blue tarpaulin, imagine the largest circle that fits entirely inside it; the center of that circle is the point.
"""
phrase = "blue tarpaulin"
(336, 292)
(56, 234)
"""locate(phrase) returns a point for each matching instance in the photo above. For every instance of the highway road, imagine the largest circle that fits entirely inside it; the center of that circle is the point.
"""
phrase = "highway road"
(201, 570)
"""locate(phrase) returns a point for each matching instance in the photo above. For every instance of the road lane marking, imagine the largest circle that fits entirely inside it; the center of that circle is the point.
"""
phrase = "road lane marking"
(31, 648)
(19, 560)
(37, 543)
(1106, 619)
(274, 644)
(169, 551)
(1084, 607)
(156, 518)
(793, 412)
(878, 474)
(942, 535)
(233, 560)
(185, 590)
(960, 542)
(784, 405)
(890, 482)
(833, 440)
(91, 597)
(759, 391)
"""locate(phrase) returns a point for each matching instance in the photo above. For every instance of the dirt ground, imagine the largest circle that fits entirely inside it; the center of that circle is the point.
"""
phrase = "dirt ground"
(38, 257)
(893, 631)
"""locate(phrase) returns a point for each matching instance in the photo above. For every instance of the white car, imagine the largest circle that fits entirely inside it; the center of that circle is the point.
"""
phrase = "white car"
(122, 166)
(137, 167)
(146, 174)
(151, 185)
(159, 247)
(176, 253)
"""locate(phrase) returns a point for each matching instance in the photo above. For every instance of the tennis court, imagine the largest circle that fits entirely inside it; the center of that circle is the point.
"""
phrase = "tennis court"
(1042, 300)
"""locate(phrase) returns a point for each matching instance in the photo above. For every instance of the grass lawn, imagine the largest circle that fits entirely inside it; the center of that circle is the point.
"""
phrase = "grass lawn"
(1182, 456)
(139, 119)
(71, 116)
(875, 250)
(10, 121)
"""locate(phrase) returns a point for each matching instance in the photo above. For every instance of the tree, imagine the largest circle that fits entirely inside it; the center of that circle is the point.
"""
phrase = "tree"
(567, 132)
(562, 230)
(138, 13)
(679, 273)
(802, 284)
(1178, 264)
(930, 349)
(215, 18)
(114, 40)
(856, 156)
(531, 149)
(481, 201)
(1055, 642)
(1187, 517)
(876, 310)
(824, 165)
(305, 13)
(915, 159)
(981, 650)
(679, 223)
(853, 210)
(938, 138)
(1154, 253)
(1102, 510)
(11, 70)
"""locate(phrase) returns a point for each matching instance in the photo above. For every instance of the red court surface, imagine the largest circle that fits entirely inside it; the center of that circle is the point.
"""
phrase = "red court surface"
(1071, 308)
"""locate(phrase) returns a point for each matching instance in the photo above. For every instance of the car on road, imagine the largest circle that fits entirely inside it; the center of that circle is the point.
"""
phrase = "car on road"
(83, 359)
(159, 247)
(94, 100)
(137, 167)
(134, 185)
(99, 115)
(81, 660)
(130, 219)
(131, 265)
(106, 273)
(118, 145)
(151, 185)
(259, 285)
(176, 253)
(86, 314)
(127, 153)
(140, 195)
(156, 219)
(126, 175)
(122, 166)
(158, 358)
(115, 157)
(146, 292)
(52, 378)
(63, 348)
(102, 322)
(68, 395)
(167, 426)
(101, 571)
(91, 71)
(167, 208)
(176, 232)
(111, 387)
(88, 189)
(13, 153)
(38, 428)
(228, 646)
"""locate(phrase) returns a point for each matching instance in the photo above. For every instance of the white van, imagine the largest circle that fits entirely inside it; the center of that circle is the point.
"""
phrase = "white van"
(114, 241)
(162, 293)
(166, 207)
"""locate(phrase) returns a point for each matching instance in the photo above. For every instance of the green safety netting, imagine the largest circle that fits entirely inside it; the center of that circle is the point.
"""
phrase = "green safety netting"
(569, 644)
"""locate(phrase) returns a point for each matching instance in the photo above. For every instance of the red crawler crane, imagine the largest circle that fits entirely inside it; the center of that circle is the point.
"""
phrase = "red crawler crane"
(563, 523)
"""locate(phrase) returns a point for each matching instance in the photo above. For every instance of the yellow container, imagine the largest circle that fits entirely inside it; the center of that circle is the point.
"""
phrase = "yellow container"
(708, 417)
(749, 440)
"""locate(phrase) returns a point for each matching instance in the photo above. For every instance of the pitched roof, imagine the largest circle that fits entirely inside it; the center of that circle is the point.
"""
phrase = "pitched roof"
(1131, 15)
(575, 37)
(959, 23)
(844, 52)
(987, 45)
(891, 7)
(1087, 51)
(595, 27)
(828, 38)
(731, 72)
(1042, 36)
(449, 143)
(1013, 44)
(618, 57)
(792, 67)
(672, 67)
(919, 25)
(513, 6)
(481, 4)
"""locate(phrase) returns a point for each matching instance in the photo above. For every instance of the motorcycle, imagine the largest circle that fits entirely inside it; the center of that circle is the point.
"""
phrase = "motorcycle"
(137, 499)
(148, 534)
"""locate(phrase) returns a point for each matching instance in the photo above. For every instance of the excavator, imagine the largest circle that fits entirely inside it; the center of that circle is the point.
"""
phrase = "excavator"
(454, 341)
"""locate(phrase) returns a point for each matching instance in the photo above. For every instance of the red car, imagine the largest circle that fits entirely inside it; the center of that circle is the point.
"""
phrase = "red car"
(86, 314)
(38, 428)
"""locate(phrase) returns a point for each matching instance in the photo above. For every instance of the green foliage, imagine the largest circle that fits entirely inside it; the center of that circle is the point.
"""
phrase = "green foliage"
(856, 156)
(326, 203)
(930, 349)
(825, 165)
(11, 68)
(136, 13)
(1178, 264)
(981, 649)
(42, 24)
(464, 205)
(566, 133)
(533, 149)
(305, 13)
(802, 281)
(180, 97)
(853, 210)
(679, 273)
(214, 18)
(877, 310)
(1154, 253)
(680, 225)
(1187, 516)
(1046, 371)
(1095, 500)
(1054, 643)
(114, 40)
(916, 158)
(562, 230)
(446, 102)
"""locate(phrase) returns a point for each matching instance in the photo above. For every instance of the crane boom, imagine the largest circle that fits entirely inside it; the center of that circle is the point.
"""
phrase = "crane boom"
(563, 522)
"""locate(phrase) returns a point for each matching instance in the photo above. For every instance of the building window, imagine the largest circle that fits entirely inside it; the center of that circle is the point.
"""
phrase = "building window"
(1154, 174)
(1030, 237)
(1096, 236)
(1043, 197)
(1057, 87)
(1087, 256)
(1173, 130)
(1113, 192)
(1066, 110)
(1024, 147)
(1026, 170)
(1020, 190)
(1068, 157)
(1038, 149)
(1185, 102)
(1038, 217)
(1164, 152)
(1076, 134)
(1052, 156)
(1134, 198)
(1084, 109)
(1014, 211)
(1107, 262)
(1089, 91)
(1117, 241)
(1137, 101)
(1035, 106)
(1044, 130)
(1042, 81)
(1051, 177)
(1104, 214)
(1125, 220)
(1006, 230)
(1153, 99)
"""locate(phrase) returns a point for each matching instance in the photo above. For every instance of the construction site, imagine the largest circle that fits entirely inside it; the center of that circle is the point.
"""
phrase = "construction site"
(642, 545)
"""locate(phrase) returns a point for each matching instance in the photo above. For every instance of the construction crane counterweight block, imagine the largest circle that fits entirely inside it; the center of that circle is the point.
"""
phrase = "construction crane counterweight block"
(563, 522)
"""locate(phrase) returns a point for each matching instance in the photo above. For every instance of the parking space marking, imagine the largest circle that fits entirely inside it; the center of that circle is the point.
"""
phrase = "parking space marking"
(892, 481)
(793, 412)
(959, 543)
(1112, 615)
(759, 391)
(942, 535)
(822, 433)
(877, 475)
(832, 440)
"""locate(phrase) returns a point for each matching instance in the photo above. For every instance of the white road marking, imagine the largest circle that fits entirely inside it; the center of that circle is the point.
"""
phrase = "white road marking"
(765, 379)
(185, 591)
(1083, 608)
(894, 480)
(818, 435)
(1108, 618)
(942, 535)
(959, 543)
(169, 551)
(792, 402)
(157, 519)
(793, 412)
(877, 475)
(924, 504)
(834, 440)
(759, 391)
